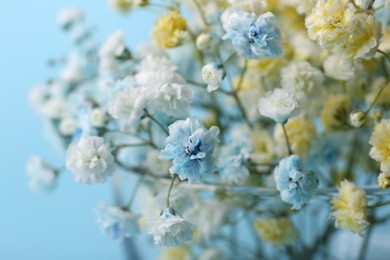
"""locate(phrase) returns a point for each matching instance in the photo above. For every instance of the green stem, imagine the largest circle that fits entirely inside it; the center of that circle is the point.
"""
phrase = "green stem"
(379, 205)
(363, 248)
(168, 202)
(165, 7)
(290, 152)
(231, 56)
(157, 122)
(242, 110)
(201, 13)
(377, 96)
(242, 76)
(134, 193)
(384, 54)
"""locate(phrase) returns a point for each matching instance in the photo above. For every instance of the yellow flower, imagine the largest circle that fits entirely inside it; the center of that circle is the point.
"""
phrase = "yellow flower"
(264, 148)
(169, 30)
(177, 253)
(349, 209)
(335, 114)
(265, 66)
(276, 231)
(380, 141)
(329, 22)
(384, 180)
(301, 131)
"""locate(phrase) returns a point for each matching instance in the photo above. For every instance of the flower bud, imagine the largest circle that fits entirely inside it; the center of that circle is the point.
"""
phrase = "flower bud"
(357, 118)
(384, 180)
(98, 117)
(203, 41)
(67, 126)
(212, 75)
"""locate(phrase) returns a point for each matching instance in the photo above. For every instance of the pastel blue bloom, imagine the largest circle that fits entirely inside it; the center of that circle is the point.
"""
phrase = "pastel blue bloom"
(253, 37)
(295, 186)
(191, 147)
(233, 166)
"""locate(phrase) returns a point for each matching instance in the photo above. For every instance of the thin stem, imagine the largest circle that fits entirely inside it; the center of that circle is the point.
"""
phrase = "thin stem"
(290, 152)
(165, 7)
(384, 54)
(377, 96)
(231, 56)
(242, 110)
(157, 122)
(242, 76)
(134, 193)
(379, 205)
(130, 145)
(201, 13)
(363, 248)
(168, 202)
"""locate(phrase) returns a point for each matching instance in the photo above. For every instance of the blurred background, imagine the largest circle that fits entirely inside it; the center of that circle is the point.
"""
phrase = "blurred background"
(60, 225)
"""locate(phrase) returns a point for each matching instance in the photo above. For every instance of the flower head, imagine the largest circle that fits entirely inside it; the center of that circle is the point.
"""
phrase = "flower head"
(191, 147)
(90, 160)
(170, 30)
(384, 180)
(212, 75)
(253, 37)
(350, 208)
(233, 166)
(117, 222)
(276, 231)
(170, 229)
(380, 141)
(296, 187)
(279, 105)
(41, 175)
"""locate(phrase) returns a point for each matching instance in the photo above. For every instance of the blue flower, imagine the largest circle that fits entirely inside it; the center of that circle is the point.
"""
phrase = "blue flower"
(253, 37)
(191, 147)
(295, 186)
(233, 165)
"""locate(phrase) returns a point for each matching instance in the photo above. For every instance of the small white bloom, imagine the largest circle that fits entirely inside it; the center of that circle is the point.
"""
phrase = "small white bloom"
(170, 229)
(68, 126)
(156, 70)
(279, 105)
(357, 118)
(117, 222)
(338, 68)
(203, 41)
(212, 75)
(90, 160)
(41, 175)
(98, 117)
(70, 15)
(171, 99)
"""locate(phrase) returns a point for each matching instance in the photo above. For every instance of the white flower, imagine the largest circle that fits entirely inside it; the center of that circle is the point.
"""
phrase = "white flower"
(117, 222)
(153, 68)
(301, 79)
(171, 99)
(337, 67)
(357, 118)
(203, 41)
(170, 229)
(98, 117)
(212, 75)
(70, 15)
(279, 105)
(68, 126)
(90, 160)
(41, 175)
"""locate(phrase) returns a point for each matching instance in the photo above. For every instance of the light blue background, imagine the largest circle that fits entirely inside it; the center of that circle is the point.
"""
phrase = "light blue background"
(34, 225)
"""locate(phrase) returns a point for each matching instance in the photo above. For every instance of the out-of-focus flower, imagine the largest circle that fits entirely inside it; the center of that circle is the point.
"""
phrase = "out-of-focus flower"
(170, 30)
(253, 37)
(250, 6)
(233, 163)
(126, 5)
(276, 231)
(380, 141)
(279, 105)
(212, 75)
(68, 126)
(117, 222)
(296, 187)
(357, 118)
(384, 180)
(69, 16)
(350, 208)
(337, 67)
(90, 160)
(98, 117)
(301, 132)
(191, 147)
(334, 115)
(41, 175)
(177, 253)
(170, 229)
(203, 41)
(364, 4)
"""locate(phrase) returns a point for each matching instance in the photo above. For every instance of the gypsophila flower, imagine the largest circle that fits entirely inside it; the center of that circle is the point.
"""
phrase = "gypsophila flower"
(276, 231)
(170, 30)
(337, 67)
(203, 41)
(233, 163)
(170, 229)
(69, 16)
(253, 37)
(98, 117)
(296, 186)
(90, 160)
(68, 126)
(41, 175)
(349, 209)
(279, 105)
(191, 147)
(364, 4)
(213, 74)
(117, 222)
(384, 180)
(357, 118)
(380, 141)
(177, 253)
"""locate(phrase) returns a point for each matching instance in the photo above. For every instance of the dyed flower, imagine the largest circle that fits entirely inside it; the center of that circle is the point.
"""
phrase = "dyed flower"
(253, 37)
(350, 208)
(41, 175)
(233, 163)
(191, 147)
(337, 67)
(170, 30)
(276, 231)
(380, 141)
(170, 229)
(212, 75)
(90, 160)
(296, 187)
(384, 180)
(279, 105)
(117, 222)
(177, 253)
